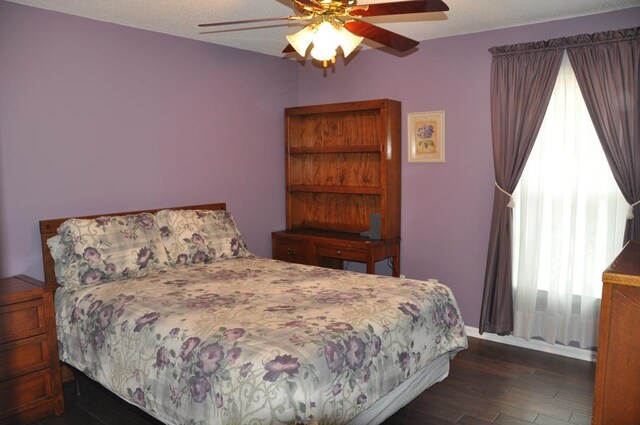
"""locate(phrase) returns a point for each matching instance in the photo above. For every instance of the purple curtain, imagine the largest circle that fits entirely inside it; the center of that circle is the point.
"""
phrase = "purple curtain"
(607, 67)
(522, 80)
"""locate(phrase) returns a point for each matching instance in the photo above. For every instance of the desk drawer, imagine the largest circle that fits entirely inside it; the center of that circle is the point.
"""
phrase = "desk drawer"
(291, 250)
(22, 320)
(24, 356)
(341, 253)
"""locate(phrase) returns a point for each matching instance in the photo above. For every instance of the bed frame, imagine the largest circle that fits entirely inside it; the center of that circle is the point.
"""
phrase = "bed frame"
(49, 228)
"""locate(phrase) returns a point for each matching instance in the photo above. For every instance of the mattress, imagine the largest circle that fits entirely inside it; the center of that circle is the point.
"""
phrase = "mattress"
(253, 340)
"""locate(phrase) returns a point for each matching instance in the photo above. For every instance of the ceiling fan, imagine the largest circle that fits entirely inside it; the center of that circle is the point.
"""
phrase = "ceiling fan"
(330, 24)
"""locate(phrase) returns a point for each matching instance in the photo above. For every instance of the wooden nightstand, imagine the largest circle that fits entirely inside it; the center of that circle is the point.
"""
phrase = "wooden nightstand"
(30, 384)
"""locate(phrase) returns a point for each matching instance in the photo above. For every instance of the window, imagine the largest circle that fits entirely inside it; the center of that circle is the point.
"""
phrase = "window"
(568, 224)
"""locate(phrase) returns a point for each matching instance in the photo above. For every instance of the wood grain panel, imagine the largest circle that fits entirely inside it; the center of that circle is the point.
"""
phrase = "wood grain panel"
(327, 248)
(621, 398)
(22, 320)
(342, 165)
(30, 386)
(24, 356)
(333, 149)
(354, 169)
(291, 250)
(336, 129)
(391, 168)
(617, 386)
(337, 189)
(343, 212)
(18, 394)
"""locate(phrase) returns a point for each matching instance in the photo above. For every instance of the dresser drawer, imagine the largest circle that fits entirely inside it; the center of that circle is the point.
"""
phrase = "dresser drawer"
(21, 393)
(24, 356)
(291, 250)
(22, 320)
(344, 253)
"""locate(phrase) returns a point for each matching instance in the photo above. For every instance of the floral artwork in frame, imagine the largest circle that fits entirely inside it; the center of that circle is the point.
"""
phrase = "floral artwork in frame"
(426, 136)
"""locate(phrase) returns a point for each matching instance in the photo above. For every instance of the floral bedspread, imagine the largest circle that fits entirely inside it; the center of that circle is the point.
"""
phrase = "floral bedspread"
(256, 341)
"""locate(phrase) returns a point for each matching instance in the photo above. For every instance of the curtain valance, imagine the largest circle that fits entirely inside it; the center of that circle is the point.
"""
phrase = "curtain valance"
(568, 42)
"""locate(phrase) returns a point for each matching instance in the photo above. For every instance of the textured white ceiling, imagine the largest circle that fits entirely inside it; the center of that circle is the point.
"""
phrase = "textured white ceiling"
(180, 17)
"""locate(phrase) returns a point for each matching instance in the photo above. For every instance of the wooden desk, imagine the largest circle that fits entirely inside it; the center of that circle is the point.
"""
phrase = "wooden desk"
(331, 249)
(616, 398)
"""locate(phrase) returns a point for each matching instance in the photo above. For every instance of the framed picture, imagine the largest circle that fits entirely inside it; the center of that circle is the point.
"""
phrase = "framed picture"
(426, 136)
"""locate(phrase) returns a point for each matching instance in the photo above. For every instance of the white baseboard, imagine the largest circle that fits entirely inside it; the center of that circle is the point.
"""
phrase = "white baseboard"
(533, 344)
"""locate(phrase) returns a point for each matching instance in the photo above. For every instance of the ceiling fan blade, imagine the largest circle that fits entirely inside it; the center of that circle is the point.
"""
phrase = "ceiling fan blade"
(245, 21)
(380, 35)
(397, 8)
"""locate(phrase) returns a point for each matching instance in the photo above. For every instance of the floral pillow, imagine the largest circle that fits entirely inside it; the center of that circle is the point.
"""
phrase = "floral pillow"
(60, 255)
(200, 236)
(104, 249)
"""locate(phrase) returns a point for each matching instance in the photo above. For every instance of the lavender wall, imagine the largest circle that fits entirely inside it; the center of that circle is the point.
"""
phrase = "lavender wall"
(446, 208)
(97, 117)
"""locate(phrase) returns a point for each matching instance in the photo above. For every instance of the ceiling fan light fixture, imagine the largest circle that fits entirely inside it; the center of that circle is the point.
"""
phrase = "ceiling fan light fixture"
(333, 24)
(348, 41)
(301, 40)
(325, 42)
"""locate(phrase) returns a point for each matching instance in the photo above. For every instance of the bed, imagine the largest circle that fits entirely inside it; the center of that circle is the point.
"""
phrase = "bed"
(169, 310)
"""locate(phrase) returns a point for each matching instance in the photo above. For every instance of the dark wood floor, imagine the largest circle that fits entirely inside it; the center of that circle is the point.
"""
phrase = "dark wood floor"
(489, 383)
(493, 383)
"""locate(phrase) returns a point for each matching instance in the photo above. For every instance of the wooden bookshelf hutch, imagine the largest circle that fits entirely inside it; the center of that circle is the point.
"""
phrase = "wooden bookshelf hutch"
(342, 166)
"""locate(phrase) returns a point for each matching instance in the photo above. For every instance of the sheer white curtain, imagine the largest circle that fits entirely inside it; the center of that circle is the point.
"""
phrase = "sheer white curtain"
(568, 224)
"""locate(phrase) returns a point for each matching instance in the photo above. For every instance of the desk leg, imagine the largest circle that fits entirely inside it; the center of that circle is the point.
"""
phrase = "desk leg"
(396, 265)
(371, 267)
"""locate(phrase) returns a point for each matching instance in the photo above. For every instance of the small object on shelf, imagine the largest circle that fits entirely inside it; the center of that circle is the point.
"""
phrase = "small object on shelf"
(30, 383)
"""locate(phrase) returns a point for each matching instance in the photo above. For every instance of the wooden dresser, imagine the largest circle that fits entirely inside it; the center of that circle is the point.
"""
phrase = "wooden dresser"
(616, 398)
(30, 384)
(342, 183)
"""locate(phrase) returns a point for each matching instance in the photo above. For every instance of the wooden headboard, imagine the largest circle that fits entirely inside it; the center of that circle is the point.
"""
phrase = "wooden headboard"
(49, 228)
